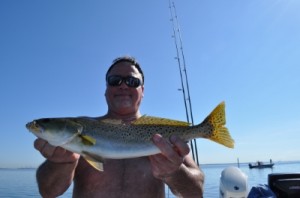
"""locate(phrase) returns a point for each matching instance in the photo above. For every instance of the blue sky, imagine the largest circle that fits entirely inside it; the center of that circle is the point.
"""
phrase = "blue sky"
(54, 55)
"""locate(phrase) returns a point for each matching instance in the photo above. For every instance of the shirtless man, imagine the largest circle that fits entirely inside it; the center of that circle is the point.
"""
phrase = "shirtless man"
(137, 177)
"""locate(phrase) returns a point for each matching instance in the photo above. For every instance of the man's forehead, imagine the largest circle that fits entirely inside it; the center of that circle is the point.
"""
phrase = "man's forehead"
(124, 66)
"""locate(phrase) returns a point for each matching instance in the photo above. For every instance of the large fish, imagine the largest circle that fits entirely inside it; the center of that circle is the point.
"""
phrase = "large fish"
(97, 140)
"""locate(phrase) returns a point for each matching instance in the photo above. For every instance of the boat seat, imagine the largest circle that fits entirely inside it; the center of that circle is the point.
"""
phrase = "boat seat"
(285, 185)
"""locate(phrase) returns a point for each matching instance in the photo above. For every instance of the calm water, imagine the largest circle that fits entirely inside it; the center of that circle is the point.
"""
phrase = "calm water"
(16, 183)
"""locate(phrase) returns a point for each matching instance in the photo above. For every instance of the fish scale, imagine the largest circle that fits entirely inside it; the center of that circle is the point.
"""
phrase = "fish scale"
(97, 140)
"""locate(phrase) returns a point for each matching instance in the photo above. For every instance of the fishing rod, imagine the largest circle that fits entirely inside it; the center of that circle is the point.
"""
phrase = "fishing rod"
(183, 75)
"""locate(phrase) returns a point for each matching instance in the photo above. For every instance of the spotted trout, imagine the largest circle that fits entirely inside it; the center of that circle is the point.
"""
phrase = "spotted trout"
(97, 140)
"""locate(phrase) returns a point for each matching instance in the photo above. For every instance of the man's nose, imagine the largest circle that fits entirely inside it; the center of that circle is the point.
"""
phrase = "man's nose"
(123, 85)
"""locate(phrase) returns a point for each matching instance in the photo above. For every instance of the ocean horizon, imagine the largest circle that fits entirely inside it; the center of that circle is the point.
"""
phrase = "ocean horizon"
(202, 164)
(20, 182)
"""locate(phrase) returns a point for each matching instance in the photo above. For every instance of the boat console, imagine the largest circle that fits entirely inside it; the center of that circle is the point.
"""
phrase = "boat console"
(285, 185)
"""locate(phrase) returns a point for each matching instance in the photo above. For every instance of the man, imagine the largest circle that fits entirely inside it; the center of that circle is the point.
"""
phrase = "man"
(137, 177)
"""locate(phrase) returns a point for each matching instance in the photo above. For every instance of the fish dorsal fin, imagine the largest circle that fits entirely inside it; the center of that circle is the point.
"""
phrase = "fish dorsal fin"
(151, 120)
(88, 140)
(94, 161)
(112, 121)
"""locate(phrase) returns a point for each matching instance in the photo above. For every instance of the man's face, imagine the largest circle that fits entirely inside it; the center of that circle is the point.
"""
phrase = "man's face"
(122, 99)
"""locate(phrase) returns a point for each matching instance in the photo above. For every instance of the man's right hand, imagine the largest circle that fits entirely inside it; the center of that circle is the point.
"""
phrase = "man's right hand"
(55, 154)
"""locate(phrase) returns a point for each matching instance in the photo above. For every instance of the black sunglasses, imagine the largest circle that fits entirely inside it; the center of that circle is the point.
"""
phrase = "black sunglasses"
(130, 81)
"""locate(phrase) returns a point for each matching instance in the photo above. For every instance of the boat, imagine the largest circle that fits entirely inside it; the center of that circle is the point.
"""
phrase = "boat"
(233, 183)
(260, 164)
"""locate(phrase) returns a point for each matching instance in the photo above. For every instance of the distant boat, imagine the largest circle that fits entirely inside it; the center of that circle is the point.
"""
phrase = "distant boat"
(261, 165)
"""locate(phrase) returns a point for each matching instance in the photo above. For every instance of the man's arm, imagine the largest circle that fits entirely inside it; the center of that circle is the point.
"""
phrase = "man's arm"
(56, 174)
(176, 168)
(188, 181)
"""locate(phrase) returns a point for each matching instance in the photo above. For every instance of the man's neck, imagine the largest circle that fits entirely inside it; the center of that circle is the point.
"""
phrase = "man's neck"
(126, 118)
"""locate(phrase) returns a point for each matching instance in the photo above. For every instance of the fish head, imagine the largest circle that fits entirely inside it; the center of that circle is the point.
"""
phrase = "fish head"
(57, 131)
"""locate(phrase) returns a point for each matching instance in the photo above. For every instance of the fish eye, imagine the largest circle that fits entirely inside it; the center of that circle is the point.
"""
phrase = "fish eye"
(35, 124)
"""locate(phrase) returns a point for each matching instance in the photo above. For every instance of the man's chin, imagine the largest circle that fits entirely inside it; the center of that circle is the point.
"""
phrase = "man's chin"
(124, 105)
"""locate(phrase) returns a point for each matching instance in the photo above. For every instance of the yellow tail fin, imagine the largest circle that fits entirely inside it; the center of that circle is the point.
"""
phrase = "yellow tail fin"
(216, 120)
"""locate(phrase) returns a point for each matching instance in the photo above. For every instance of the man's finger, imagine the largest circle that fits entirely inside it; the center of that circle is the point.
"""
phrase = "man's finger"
(39, 144)
(167, 149)
(180, 145)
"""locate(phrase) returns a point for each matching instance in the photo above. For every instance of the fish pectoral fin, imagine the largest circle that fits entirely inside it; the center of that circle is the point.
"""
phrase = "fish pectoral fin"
(94, 160)
(88, 140)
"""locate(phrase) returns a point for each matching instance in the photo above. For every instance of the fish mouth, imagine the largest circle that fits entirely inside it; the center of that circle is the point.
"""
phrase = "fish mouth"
(34, 127)
(28, 125)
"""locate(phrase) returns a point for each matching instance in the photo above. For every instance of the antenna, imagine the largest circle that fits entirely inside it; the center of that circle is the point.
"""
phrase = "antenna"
(183, 74)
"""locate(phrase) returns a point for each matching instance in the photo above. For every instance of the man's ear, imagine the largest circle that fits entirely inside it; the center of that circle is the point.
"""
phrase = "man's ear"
(105, 93)
(142, 91)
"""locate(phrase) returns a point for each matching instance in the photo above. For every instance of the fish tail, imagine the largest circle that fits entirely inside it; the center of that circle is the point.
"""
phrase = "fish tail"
(214, 127)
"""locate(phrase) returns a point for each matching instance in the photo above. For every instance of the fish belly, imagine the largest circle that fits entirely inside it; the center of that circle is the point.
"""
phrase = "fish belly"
(115, 150)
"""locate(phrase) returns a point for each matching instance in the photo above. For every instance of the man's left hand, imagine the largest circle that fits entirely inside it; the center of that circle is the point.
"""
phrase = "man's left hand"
(171, 158)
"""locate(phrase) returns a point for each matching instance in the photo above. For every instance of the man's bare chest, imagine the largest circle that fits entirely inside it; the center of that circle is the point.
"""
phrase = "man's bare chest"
(120, 178)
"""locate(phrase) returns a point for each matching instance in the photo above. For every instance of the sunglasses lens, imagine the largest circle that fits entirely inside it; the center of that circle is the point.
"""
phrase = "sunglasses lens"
(132, 81)
(114, 80)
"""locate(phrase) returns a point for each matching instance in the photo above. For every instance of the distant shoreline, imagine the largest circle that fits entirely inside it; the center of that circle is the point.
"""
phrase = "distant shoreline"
(246, 163)
(18, 168)
(204, 164)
